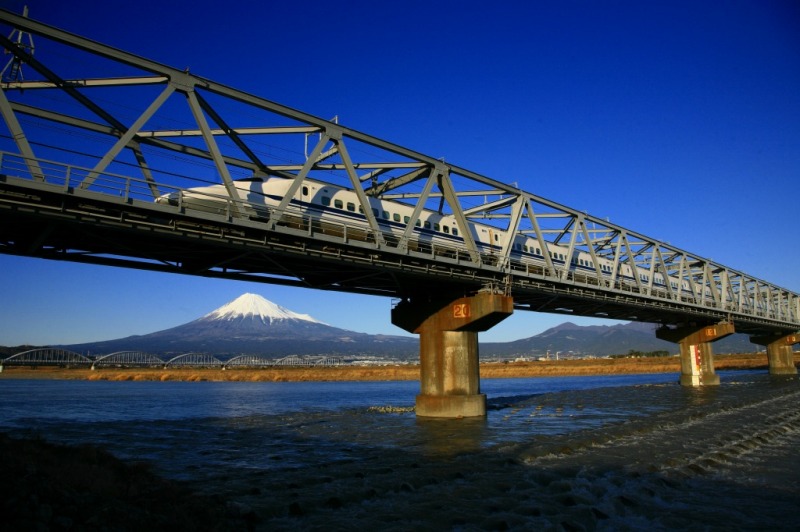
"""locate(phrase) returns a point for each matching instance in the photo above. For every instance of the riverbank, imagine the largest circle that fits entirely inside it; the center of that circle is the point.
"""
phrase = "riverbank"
(552, 368)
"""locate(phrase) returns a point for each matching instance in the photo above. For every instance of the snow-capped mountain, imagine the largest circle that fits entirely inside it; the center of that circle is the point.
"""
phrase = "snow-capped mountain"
(255, 307)
(251, 324)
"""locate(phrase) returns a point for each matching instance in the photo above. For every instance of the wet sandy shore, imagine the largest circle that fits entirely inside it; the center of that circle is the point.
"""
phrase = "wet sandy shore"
(55, 487)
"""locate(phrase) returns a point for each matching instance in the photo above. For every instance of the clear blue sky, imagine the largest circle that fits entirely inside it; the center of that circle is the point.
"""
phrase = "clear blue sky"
(679, 120)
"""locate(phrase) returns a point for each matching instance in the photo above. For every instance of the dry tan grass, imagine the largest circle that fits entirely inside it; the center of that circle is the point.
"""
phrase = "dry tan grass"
(385, 373)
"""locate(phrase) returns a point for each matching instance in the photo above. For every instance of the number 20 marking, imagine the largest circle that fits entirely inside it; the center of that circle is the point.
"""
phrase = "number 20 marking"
(461, 310)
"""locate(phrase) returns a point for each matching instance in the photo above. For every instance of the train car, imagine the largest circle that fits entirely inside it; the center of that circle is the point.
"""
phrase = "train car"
(335, 208)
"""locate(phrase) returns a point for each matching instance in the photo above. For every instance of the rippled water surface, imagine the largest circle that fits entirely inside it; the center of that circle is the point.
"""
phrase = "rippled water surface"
(619, 452)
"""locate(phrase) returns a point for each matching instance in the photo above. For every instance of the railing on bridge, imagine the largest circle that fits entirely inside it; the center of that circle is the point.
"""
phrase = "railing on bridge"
(548, 256)
(125, 189)
(715, 290)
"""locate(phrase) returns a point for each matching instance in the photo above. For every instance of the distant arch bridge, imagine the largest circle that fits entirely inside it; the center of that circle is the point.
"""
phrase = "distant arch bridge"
(128, 359)
(309, 360)
(248, 361)
(46, 356)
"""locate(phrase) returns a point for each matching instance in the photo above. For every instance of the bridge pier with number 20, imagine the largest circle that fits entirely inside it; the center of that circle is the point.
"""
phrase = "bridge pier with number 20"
(448, 330)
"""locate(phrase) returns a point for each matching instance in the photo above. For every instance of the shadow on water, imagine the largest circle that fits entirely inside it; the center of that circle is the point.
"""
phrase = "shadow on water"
(451, 437)
(498, 403)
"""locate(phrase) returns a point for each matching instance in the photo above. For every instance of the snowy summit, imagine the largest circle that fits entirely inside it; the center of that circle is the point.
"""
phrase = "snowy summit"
(255, 306)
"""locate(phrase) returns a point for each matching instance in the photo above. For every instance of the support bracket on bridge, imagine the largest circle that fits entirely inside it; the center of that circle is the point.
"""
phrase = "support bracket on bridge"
(697, 357)
(779, 352)
(448, 337)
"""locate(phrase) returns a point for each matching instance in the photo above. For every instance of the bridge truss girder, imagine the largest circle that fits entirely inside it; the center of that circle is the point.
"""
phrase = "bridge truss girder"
(46, 356)
(128, 359)
(149, 115)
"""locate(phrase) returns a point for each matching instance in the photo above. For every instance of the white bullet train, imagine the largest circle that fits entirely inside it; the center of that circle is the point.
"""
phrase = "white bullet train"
(334, 206)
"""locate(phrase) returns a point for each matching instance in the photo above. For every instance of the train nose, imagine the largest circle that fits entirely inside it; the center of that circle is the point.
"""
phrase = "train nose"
(173, 198)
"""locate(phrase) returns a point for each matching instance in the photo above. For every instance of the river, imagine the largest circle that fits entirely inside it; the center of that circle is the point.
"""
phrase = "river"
(624, 452)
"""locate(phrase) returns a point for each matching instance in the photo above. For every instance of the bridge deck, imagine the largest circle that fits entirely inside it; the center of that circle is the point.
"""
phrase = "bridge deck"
(53, 221)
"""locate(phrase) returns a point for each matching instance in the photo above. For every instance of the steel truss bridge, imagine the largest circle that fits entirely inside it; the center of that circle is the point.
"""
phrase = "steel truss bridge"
(52, 356)
(94, 134)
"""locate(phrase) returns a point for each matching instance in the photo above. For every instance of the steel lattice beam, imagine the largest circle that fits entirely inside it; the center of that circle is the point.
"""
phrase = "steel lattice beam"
(227, 131)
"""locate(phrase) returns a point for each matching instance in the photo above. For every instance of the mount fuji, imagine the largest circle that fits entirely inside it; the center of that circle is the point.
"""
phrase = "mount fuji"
(251, 324)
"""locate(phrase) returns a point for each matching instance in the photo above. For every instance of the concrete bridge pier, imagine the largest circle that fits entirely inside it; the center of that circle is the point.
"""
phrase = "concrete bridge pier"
(697, 357)
(779, 352)
(448, 349)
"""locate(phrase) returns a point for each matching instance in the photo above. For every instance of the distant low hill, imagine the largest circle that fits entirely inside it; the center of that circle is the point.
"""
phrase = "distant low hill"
(602, 340)
(252, 324)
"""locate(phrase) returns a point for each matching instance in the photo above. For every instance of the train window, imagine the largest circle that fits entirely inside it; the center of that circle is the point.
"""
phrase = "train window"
(385, 215)
(338, 204)
(396, 217)
(305, 191)
(525, 249)
(325, 200)
(538, 251)
(446, 229)
(496, 237)
(361, 209)
(455, 231)
(427, 224)
(406, 219)
(351, 206)
(418, 224)
(436, 227)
